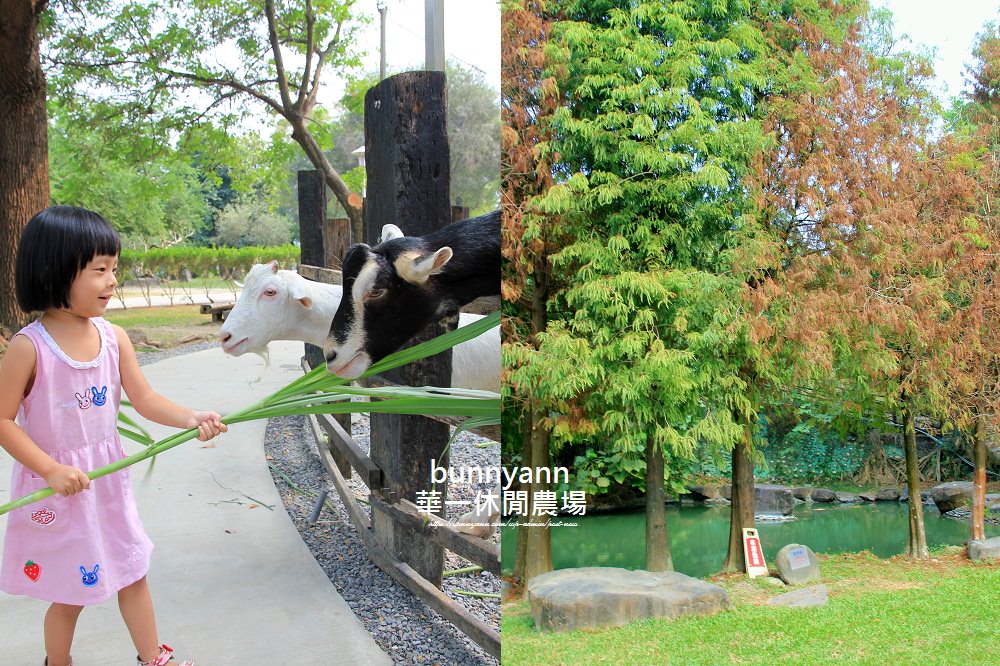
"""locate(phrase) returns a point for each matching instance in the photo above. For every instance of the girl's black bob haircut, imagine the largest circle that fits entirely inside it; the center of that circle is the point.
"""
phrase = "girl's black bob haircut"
(55, 246)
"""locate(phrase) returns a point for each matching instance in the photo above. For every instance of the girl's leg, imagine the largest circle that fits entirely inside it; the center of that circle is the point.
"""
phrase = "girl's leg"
(136, 606)
(60, 624)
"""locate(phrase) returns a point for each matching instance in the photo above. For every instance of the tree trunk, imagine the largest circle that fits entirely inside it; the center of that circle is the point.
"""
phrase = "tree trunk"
(657, 545)
(24, 158)
(916, 546)
(521, 553)
(979, 481)
(538, 558)
(538, 540)
(742, 509)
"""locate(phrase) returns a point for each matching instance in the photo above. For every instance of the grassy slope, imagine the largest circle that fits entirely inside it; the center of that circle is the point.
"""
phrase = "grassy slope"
(945, 611)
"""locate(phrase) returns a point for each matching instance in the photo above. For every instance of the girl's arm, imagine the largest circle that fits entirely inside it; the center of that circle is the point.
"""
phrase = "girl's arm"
(154, 406)
(17, 372)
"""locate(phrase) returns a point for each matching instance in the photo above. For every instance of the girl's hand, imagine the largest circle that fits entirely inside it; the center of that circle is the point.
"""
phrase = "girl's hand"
(66, 480)
(209, 424)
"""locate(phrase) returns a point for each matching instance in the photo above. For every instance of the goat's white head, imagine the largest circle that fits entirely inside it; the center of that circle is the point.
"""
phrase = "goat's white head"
(262, 311)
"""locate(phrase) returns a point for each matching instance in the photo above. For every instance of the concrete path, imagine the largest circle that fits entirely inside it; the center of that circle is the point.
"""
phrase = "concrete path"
(232, 582)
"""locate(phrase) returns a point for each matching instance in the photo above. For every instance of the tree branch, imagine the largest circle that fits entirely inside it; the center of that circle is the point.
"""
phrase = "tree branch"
(323, 55)
(304, 85)
(242, 87)
(279, 64)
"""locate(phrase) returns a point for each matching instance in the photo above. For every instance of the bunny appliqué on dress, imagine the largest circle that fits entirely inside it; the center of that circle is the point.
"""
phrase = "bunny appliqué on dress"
(92, 396)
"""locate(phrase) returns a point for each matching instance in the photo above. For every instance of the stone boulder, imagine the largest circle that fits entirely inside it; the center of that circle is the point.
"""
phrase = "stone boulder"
(702, 493)
(802, 493)
(770, 499)
(867, 497)
(823, 495)
(593, 597)
(804, 598)
(797, 564)
(887, 495)
(766, 498)
(848, 498)
(986, 549)
(953, 495)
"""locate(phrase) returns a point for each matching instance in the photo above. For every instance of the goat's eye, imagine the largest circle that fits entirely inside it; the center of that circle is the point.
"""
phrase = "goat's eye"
(270, 292)
(374, 295)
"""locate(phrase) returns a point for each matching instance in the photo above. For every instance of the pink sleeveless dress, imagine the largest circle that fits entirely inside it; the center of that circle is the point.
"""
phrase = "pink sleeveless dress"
(82, 549)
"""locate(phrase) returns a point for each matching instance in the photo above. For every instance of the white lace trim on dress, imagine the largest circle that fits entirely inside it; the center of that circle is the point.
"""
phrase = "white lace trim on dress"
(72, 362)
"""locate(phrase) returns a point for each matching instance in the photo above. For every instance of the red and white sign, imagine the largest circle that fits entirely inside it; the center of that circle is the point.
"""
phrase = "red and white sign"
(753, 554)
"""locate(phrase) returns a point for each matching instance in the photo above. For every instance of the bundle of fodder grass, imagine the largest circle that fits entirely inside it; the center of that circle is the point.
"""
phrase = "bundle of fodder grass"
(320, 392)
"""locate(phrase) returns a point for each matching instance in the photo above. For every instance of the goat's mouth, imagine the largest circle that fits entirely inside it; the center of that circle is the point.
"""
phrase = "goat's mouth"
(230, 348)
(353, 368)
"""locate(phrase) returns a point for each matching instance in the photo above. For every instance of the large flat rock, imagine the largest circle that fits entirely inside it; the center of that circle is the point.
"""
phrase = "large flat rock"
(804, 598)
(987, 549)
(593, 597)
(772, 499)
(952, 495)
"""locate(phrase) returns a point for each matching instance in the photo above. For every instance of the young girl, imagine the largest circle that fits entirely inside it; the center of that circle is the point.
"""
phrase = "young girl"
(62, 378)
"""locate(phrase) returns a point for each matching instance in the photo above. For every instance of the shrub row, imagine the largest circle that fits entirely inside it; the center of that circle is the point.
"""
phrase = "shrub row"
(227, 262)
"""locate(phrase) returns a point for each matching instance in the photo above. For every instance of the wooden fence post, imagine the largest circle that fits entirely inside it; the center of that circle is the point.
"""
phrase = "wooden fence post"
(312, 213)
(336, 240)
(407, 164)
(316, 243)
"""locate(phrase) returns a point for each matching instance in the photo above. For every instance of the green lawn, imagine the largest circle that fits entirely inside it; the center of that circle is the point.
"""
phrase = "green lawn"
(177, 315)
(944, 611)
(165, 327)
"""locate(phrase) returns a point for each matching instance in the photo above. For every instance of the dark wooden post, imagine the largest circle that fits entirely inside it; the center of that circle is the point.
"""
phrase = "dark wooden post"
(312, 214)
(459, 213)
(406, 148)
(316, 244)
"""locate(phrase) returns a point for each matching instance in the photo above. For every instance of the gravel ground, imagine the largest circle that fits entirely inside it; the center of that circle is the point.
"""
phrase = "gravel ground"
(403, 626)
(147, 357)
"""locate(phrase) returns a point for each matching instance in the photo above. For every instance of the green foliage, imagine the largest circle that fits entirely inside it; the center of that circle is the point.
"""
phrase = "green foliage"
(652, 145)
(147, 199)
(249, 223)
(170, 263)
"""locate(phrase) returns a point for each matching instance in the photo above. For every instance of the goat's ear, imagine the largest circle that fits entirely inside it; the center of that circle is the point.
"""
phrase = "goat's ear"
(416, 270)
(299, 290)
(390, 232)
(273, 266)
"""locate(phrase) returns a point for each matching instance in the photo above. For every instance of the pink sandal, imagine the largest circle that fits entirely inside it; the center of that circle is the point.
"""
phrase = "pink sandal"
(163, 659)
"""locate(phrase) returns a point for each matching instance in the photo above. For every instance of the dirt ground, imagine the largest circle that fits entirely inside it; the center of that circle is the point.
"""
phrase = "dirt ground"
(148, 338)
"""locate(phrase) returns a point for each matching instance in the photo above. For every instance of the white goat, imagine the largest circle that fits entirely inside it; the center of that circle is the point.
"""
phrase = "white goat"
(283, 305)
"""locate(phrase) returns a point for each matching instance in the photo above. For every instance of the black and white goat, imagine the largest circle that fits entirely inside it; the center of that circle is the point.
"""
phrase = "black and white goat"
(401, 285)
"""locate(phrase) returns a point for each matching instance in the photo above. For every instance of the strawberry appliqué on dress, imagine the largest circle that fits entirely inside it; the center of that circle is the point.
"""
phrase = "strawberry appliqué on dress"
(32, 571)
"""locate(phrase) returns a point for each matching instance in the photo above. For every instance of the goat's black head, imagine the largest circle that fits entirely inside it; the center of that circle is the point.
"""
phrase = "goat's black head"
(388, 296)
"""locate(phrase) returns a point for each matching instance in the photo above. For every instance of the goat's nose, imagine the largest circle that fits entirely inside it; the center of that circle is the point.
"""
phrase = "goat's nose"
(224, 336)
(331, 356)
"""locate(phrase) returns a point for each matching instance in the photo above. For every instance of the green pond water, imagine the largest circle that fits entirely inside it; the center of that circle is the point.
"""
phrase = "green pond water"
(699, 536)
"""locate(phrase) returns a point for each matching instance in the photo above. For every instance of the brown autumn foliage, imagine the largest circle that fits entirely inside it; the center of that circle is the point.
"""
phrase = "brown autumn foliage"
(527, 98)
